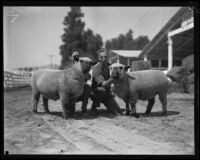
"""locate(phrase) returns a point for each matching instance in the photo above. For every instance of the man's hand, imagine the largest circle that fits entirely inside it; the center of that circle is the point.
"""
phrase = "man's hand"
(108, 82)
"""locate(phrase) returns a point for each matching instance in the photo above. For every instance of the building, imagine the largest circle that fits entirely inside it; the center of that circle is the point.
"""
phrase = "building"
(125, 57)
(173, 43)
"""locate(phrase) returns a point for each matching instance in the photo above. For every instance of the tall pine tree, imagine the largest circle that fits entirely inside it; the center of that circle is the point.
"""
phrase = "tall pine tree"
(72, 37)
(93, 42)
(76, 38)
(127, 42)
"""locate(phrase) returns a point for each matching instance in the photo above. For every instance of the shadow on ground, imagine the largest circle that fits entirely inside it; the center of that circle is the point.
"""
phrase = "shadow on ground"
(104, 113)
(159, 114)
(78, 115)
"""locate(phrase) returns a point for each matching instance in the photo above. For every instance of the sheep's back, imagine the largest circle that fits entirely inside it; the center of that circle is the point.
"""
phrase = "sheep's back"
(147, 83)
(46, 82)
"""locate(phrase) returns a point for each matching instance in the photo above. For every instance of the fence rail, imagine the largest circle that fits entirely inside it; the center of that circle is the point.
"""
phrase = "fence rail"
(12, 80)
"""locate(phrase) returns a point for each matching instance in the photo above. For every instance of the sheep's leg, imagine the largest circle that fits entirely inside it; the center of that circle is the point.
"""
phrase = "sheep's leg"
(45, 103)
(72, 108)
(68, 109)
(150, 106)
(127, 108)
(133, 109)
(84, 97)
(64, 97)
(64, 106)
(36, 97)
(163, 100)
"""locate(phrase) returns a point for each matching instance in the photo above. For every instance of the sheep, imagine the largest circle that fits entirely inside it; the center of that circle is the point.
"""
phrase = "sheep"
(66, 85)
(143, 85)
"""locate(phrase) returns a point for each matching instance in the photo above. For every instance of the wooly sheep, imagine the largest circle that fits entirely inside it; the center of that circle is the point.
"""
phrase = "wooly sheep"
(66, 85)
(143, 85)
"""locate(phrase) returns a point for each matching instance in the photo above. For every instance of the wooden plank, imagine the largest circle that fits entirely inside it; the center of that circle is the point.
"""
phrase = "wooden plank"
(180, 30)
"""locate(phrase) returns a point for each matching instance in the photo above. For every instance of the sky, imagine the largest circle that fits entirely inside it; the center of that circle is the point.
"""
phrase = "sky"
(32, 34)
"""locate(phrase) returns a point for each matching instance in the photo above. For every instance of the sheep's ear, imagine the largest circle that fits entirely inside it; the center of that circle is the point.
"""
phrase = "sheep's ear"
(126, 68)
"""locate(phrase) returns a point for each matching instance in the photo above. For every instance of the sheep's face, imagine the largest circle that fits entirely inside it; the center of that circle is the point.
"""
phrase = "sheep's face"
(117, 70)
(85, 65)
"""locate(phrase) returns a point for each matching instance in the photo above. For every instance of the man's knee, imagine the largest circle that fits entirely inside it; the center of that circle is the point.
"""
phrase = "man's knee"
(98, 94)
(86, 93)
(99, 91)
(112, 105)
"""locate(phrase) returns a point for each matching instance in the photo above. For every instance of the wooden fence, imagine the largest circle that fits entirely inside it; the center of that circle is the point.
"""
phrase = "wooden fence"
(12, 80)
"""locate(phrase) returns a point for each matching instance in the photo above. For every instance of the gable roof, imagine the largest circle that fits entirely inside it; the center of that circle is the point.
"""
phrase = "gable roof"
(183, 43)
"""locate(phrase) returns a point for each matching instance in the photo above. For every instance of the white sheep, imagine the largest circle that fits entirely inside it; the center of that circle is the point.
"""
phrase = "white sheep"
(66, 85)
(143, 85)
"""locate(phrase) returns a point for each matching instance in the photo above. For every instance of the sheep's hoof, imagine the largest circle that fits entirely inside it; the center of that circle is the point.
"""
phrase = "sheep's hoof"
(127, 113)
(94, 113)
(84, 113)
(66, 117)
(47, 111)
(146, 114)
(135, 115)
(34, 111)
(164, 114)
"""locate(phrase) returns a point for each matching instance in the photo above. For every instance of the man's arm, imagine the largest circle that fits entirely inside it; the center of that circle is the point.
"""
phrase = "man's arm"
(96, 72)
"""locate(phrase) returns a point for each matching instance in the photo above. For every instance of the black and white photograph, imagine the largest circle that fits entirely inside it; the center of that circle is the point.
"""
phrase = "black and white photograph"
(99, 80)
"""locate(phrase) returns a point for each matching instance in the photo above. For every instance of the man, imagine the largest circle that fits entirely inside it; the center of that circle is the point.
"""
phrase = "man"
(101, 89)
(87, 89)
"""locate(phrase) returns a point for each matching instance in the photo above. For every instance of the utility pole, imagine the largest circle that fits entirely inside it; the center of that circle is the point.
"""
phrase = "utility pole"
(51, 60)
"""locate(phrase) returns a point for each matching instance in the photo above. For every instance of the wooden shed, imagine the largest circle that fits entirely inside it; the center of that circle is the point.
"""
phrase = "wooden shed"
(125, 57)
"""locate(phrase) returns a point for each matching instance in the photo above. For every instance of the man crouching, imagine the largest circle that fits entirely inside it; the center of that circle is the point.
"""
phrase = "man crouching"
(101, 85)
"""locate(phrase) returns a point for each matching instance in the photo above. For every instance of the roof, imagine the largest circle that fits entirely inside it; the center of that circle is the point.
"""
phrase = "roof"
(127, 53)
(183, 43)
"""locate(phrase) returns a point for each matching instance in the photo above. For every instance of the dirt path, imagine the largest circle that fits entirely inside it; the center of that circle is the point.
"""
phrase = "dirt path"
(28, 133)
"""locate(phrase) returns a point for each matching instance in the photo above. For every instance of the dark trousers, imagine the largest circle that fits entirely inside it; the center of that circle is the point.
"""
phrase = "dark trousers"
(102, 95)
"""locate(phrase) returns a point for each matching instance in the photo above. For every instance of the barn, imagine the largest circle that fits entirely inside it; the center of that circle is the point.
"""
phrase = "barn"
(173, 43)
(125, 57)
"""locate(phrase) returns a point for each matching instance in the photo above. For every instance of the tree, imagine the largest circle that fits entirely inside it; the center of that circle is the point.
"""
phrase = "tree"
(141, 42)
(108, 45)
(92, 43)
(73, 34)
(76, 38)
(127, 42)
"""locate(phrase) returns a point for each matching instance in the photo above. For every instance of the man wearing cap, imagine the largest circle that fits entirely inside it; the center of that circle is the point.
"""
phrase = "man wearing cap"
(87, 89)
(101, 85)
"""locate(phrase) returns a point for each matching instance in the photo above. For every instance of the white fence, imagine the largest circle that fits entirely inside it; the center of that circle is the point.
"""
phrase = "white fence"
(12, 80)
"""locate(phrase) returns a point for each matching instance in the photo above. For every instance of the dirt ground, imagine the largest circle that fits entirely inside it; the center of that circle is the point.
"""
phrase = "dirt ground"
(28, 133)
